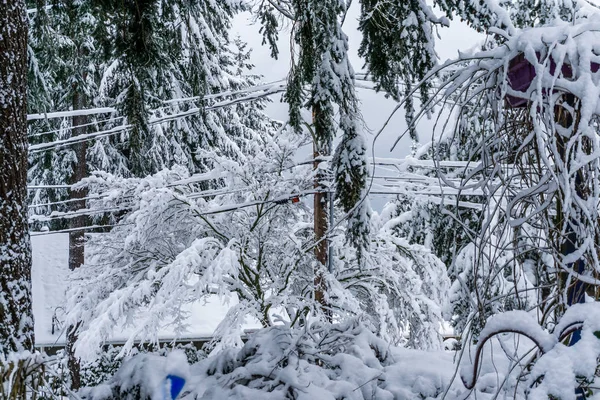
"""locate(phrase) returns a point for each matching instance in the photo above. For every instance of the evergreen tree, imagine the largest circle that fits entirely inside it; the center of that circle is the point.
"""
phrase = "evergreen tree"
(76, 52)
(136, 55)
(163, 51)
(323, 65)
(398, 47)
(63, 76)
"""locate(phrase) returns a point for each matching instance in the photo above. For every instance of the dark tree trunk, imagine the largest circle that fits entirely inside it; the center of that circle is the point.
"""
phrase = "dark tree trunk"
(16, 315)
(77, 236)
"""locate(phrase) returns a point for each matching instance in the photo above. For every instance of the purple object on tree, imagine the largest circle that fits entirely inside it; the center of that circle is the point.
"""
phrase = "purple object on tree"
(520, 76)
(521, 73)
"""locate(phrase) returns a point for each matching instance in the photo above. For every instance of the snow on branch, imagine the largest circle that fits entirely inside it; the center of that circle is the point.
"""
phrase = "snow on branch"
(557, 369)
(532, 98)
(519, 322)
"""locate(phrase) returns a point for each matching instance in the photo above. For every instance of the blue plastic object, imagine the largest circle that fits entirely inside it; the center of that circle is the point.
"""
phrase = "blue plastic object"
(177, 384)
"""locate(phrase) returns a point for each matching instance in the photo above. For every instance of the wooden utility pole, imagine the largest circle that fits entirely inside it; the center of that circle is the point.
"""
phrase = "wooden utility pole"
(320, 213)
(320, 227)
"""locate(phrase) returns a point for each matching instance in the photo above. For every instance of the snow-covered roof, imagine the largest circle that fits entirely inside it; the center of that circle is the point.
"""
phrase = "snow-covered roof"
(50, 275)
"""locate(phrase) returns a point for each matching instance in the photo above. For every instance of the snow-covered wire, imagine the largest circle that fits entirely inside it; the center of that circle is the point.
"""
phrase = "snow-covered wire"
(153, 121)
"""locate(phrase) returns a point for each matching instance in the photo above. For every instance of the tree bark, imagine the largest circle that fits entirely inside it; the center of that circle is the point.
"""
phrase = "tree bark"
(16, 314)
(77, 237)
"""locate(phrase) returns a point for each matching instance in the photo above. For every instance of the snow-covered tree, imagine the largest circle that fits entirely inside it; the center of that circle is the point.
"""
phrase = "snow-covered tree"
(18, 364)
(322, 80)
(16, 328)
(495, 263)
(394, 33)
(63, 75)
(401, 287)
(159, 51)
(180, 244)
(538, 163)
(153, 61)
(64, 68)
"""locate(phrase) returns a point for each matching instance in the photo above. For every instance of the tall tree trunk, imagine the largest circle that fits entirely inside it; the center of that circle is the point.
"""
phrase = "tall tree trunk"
(16, 315)
(77, 237)
(79, 167)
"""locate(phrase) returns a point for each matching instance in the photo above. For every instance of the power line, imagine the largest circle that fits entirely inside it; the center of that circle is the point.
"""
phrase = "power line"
(73, 113)
(270, 88)
(56, 203)
(36, 148)
(83, 228)
(82, 212)
(72, 127)
(267, 87)
(234, 207)
(39, 187)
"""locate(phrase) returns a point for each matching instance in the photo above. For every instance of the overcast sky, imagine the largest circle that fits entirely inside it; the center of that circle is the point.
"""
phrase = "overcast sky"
(375, 107)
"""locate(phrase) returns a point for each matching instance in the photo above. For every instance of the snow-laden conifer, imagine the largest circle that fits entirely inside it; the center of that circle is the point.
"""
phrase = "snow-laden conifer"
(323, 66)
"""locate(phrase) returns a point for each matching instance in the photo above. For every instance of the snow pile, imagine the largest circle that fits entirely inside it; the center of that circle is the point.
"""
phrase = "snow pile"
(562, 369)
(322, 361)
(514, 359)
(530, 362)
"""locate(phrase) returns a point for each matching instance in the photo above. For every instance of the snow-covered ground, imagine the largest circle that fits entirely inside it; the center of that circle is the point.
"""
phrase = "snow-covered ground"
(50, 276)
